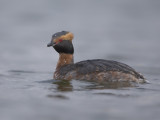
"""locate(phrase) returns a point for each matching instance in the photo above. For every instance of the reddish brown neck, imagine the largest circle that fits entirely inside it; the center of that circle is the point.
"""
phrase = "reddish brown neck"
(64, 59)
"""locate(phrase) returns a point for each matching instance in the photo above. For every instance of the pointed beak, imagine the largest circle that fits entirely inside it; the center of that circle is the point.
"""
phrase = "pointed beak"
(51, 44)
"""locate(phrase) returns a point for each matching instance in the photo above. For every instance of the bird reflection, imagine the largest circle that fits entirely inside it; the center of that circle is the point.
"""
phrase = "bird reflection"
(64, 85)
(111, 85)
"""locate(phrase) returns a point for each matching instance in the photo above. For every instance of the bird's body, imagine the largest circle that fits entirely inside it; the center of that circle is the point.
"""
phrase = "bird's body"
(92, 70)
(98, 70)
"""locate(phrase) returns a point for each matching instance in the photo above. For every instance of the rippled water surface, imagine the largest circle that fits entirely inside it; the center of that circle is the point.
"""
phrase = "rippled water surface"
(125, 31)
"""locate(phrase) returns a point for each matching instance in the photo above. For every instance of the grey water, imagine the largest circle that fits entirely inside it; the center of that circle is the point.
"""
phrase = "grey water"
(123, 30)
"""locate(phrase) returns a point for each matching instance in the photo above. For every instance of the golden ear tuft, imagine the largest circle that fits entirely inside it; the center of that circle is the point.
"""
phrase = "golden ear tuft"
(68, 36)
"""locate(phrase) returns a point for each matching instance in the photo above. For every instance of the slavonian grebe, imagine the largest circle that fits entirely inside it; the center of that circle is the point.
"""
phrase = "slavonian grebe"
(92, 70)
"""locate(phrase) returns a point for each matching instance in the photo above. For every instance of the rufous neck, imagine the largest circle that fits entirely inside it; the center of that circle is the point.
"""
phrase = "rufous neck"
(64, 59)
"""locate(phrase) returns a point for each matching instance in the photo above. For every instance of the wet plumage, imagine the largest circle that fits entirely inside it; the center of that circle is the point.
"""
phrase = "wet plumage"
(98, 69)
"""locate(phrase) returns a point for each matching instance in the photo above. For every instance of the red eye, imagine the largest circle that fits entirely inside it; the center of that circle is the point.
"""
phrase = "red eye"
(60, 40)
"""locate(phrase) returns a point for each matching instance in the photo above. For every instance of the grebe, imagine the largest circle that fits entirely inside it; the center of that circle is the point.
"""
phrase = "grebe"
(92, 70)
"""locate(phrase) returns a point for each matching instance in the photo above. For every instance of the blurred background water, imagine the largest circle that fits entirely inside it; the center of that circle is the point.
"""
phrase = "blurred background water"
(123, 30)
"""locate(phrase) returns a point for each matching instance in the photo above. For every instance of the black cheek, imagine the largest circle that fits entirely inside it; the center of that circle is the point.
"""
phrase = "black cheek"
(64, 47)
